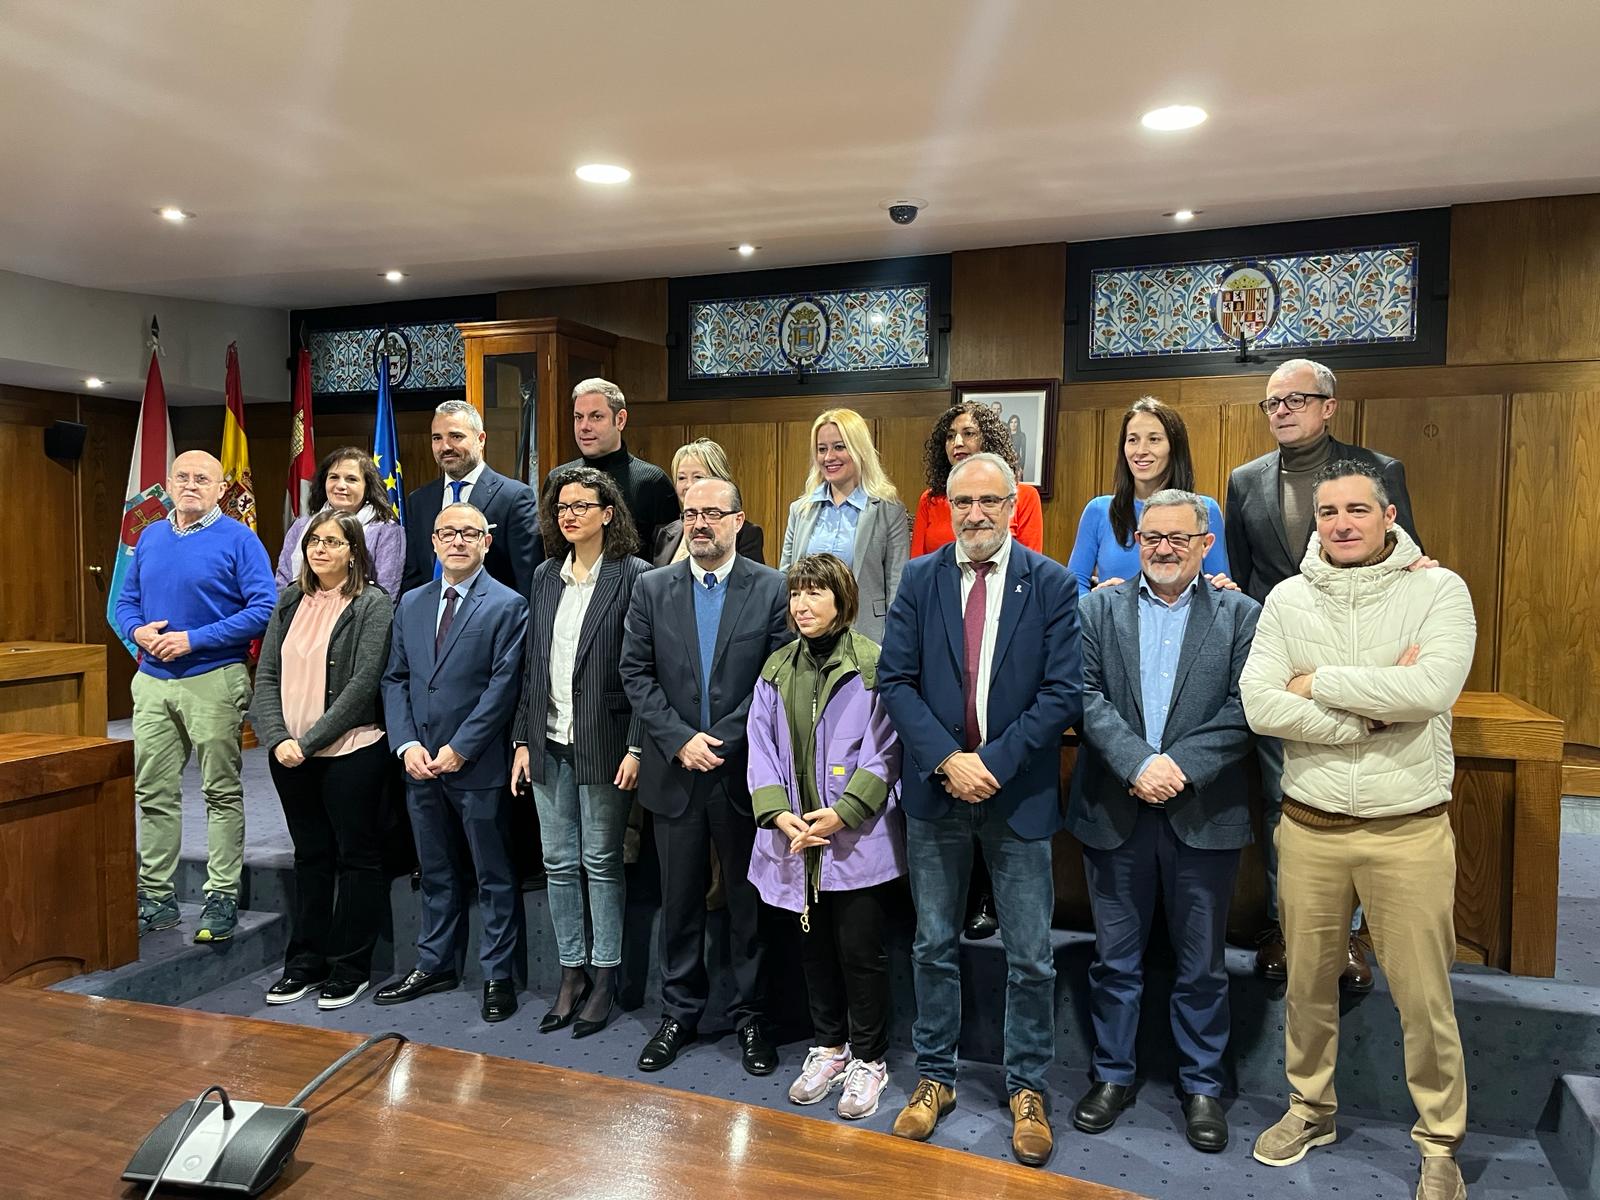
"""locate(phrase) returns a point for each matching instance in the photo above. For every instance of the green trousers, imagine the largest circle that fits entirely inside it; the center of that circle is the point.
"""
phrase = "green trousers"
(171, 718)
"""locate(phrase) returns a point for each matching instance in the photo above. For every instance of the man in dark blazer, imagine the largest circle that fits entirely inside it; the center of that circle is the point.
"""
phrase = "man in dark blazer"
(1269, 521)
(981, 673)
(449, 694)
(696, 637)
(1161, 802)
(509, 505)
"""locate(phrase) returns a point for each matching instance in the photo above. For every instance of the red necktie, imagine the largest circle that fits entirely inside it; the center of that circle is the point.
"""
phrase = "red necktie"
(445, 621)
(972, 627)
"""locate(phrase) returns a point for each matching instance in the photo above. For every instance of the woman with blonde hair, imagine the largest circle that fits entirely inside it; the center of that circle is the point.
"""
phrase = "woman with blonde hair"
(702, 459)
(850, 509)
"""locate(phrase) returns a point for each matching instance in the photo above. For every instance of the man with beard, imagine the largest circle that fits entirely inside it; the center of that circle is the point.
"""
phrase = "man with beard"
(696, 637)
(981, 673)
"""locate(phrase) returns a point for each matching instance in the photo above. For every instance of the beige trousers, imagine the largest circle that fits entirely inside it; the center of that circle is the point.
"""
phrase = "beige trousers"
(1404, 869)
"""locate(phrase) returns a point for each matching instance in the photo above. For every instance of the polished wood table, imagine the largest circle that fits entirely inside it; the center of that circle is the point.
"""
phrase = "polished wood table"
(86, 1079)
(52, 687)
(68, 866)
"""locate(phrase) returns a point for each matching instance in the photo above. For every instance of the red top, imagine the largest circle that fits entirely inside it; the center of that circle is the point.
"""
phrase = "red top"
(932, 527)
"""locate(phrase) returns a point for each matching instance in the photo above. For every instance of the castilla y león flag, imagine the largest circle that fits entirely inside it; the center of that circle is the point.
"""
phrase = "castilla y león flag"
(146, 500)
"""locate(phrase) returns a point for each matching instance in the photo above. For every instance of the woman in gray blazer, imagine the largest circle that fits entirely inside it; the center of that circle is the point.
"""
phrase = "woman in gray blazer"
(850, 509)
(577, 743)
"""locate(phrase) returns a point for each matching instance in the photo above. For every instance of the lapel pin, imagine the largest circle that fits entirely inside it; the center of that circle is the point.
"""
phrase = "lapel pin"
(1019, 589)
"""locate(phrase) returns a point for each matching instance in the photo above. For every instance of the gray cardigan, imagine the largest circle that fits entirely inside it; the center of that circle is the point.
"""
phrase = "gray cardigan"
(358, 649)
(883, 543)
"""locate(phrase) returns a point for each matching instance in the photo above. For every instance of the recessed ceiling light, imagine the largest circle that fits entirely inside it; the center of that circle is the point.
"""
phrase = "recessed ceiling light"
(1173, 116)
(94, 381)
(745, 249)
(394, 276)
(604, 173)
(171, 212)
(1182, 215)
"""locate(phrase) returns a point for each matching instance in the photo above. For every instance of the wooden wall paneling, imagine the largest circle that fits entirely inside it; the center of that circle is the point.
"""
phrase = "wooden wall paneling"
(795, 453)
(40, 597)
(1082, 472)
(1454, 451)
(902, 444)
(656, 443)
(756, 444)
(102, 482)
(1007, 312)
(1481, 817)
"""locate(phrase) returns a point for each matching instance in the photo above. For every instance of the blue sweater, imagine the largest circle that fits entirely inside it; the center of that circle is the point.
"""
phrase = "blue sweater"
(214, 584)
(1096, 554)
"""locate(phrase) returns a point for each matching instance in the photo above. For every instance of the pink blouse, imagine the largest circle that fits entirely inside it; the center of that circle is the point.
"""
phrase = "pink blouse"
(303, 681)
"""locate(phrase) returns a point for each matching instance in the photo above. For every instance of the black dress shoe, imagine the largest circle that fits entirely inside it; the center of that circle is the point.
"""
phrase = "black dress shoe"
(661, 1050)
(418, 983)
(1205, 1124)
(553, 1020)
(759, 1054)
(499, 999)
(1100, 1107)
(583, 1027)
(982, 922)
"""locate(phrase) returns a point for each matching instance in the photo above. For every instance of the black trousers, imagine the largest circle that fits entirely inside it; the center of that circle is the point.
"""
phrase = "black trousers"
(334, 809)
(847, 970)
(683, 845)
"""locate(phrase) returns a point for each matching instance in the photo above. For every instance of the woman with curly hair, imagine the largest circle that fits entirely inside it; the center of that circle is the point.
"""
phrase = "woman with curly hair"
(967, 429)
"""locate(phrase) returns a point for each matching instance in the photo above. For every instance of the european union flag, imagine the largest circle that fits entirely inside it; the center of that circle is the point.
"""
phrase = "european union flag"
(386, 445)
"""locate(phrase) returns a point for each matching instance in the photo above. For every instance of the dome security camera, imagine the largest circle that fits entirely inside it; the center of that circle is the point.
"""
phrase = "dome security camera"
(903, 212)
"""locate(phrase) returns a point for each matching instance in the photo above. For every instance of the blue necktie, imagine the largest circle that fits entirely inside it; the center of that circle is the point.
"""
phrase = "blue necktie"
(455, 498)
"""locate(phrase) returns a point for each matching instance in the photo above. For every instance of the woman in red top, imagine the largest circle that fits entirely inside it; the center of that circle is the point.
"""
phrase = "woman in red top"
(963, 431)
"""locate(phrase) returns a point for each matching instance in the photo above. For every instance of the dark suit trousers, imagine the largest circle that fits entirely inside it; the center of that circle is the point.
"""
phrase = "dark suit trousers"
(683, 844)
(463, 838)
(1196, 887)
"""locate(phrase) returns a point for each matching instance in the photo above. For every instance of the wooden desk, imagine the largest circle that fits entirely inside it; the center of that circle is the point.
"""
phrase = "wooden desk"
(88, 1078)
(68, 867)
(52, 687)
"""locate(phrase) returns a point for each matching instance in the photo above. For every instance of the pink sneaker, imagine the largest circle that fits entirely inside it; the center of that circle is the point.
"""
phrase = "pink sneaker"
(863, 1084)
(822, 1072)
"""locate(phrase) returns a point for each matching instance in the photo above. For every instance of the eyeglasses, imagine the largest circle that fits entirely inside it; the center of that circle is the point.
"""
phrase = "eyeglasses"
(1293, 401)
(693, 516)
(447, 535)
(1178, 541)
(578, 508)
(313, 541)
(963, 504)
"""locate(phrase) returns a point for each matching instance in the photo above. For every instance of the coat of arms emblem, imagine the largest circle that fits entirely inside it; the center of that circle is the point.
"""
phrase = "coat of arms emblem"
(803, 332)
(1245, 302)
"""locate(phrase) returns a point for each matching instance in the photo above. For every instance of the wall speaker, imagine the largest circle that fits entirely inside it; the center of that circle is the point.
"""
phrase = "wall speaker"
(63, 440)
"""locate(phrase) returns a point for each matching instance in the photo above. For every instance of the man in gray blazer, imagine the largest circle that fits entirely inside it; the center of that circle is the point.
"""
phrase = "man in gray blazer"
(1269, 522)
(695, 639)
(1160, 802)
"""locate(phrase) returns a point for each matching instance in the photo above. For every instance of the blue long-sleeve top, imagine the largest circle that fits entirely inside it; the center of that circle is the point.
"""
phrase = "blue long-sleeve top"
(1096, 554)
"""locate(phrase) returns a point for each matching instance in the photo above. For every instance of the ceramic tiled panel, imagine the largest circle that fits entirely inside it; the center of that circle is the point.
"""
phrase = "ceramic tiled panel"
(859, 329)
(342, 359)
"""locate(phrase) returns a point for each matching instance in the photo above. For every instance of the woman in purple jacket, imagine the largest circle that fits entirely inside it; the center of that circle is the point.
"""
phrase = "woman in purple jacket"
(348, 482)
(824, 779)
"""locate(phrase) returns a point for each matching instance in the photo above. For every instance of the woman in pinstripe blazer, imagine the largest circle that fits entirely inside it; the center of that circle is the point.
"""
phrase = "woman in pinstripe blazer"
(576, 741)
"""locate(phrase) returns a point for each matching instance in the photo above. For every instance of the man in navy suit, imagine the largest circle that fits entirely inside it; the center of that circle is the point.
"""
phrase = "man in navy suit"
(449, 694)
(696, 637)
(1161, 803)
(507, 504)
(981, 674)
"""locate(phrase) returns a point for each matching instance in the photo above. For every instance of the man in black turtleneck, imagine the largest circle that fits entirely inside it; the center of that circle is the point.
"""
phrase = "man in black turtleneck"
(1269, 521)
(599, 415)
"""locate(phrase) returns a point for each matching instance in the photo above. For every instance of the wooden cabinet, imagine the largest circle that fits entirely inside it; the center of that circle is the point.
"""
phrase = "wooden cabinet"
(52, 687)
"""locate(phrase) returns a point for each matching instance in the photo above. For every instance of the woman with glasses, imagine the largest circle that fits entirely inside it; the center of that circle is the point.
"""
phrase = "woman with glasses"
(1153, 453)
(702, 459)
(347, 481)
(850, 509)
(316, 711)
(964, 430)
(824, 787)
(577, 744)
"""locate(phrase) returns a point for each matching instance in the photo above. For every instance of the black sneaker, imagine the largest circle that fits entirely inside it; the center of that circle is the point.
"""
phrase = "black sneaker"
(218, 918)
(156, 914)
(337, 995)
(291, 988)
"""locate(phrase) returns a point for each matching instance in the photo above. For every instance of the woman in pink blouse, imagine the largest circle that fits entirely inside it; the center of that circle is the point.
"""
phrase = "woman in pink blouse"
(316, 712)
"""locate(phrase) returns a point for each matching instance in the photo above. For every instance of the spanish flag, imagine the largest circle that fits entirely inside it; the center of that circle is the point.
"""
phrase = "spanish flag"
(239, 493)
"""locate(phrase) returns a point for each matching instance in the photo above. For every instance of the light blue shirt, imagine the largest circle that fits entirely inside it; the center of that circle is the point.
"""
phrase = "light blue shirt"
(1097, 554)
(835, 530)
(1161, 629)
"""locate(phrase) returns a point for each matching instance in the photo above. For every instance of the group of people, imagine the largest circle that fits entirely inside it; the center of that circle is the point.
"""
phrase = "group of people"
(882, 711)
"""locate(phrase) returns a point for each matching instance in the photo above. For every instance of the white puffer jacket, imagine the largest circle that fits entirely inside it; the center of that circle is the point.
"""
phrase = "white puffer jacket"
(1348, 626)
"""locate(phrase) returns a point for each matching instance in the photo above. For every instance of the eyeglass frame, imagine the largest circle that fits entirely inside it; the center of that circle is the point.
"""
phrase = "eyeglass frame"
(573, 507)
(988, 504)
(1169, 538)
(313, 541)
(691, 520)
(451, 533)
(1272, 403)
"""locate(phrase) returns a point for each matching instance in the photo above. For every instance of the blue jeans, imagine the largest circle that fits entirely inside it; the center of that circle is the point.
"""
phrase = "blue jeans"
(581, 826)
(940, 856)
(1269, 754)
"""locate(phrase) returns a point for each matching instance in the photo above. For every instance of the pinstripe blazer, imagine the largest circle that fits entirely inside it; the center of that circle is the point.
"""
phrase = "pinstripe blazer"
(603, 724)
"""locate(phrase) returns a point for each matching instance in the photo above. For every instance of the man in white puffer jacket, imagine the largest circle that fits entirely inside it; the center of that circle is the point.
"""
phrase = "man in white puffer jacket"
(1355, 665)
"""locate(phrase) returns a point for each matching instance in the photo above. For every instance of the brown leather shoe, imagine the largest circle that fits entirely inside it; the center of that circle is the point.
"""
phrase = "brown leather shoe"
(1031, 1139)
(1272, 957)
(929, 1101)
(1357, 973)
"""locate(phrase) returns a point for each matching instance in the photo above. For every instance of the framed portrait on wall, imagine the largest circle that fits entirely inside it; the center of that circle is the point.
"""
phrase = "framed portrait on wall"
(1027, 408)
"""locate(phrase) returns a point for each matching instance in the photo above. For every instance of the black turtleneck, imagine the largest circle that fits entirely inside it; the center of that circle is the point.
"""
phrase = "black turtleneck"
(651, 499)
(821, 648)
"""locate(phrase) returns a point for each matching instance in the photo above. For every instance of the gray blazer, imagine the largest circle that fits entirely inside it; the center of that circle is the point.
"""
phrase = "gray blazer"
(883, 543)
(1259, 554)
(358, 648)
(1206, 733)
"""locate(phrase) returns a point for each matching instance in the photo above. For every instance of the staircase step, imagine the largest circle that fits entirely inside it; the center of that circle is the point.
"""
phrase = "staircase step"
(1570, 1134)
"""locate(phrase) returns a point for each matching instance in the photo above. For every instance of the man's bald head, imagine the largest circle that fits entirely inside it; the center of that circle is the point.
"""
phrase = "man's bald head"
(195, 485)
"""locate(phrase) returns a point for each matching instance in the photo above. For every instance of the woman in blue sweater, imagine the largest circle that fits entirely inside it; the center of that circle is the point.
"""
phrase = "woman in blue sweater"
(1153, 454)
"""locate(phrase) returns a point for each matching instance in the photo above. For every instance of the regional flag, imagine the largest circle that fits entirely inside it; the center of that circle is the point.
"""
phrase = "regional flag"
(386, 444)
(238, 491)
(146, 500)
(302, 451)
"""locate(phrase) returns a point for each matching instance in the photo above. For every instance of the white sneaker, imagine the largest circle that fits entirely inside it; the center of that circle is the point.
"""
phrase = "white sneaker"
(863, 1084)
(822, 1072)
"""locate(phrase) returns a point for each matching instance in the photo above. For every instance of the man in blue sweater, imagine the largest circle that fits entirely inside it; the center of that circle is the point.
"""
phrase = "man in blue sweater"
(198, 591)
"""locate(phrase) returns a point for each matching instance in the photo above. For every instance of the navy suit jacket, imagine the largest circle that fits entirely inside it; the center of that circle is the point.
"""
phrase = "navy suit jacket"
(466, 697)
(661, 675)
(505, 503)
(1035, 684)
(1206, 733)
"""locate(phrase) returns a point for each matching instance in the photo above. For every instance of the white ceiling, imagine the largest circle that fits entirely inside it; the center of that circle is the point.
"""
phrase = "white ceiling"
(321, 143)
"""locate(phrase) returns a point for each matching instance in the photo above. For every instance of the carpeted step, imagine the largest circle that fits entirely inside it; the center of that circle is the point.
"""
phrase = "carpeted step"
(1570, 1134)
